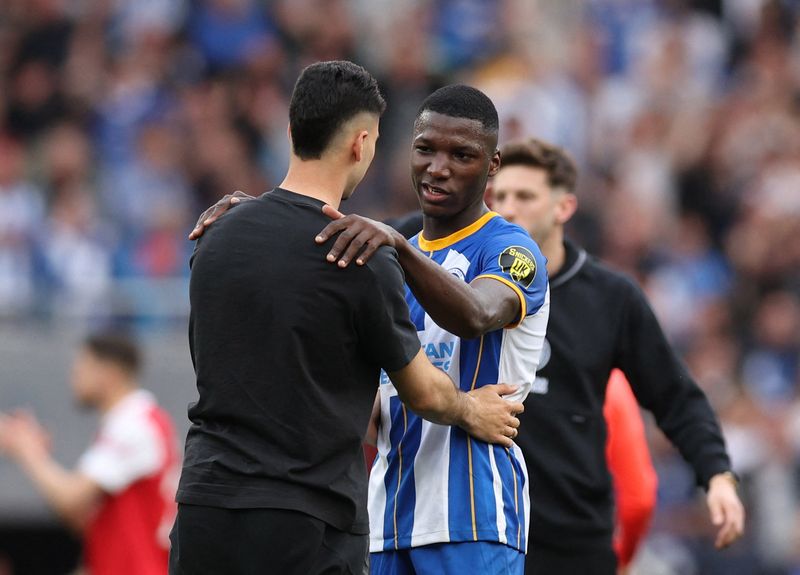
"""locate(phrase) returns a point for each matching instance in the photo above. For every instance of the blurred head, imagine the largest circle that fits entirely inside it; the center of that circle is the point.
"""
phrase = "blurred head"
(106, 366)
(535, 188)
(454, 150)
(333, 114)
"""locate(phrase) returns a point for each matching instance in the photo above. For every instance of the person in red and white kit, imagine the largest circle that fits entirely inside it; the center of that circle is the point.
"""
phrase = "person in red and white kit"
(121, 494)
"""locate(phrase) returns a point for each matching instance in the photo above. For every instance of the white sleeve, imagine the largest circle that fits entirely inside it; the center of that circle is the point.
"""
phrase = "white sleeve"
(124, 452)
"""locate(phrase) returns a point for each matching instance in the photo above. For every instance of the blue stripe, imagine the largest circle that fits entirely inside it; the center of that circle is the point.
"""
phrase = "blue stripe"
(407, 498)
(390, 479)
(459, 505)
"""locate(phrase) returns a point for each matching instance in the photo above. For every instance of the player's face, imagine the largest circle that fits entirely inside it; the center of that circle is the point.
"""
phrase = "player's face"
(451, 160)
(85, 380)
(522, 195)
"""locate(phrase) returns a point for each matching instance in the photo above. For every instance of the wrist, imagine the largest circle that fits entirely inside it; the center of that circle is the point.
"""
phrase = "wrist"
(728, 477)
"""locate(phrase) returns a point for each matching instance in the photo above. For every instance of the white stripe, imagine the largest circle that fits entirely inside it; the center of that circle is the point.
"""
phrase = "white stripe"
(431, 480)
(497, 484)
(376, 501)
(526, 496)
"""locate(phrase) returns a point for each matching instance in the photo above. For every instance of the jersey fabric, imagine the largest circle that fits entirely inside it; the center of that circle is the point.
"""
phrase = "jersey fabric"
(432, 483)
(600, 320)
(472, 557)
(634, 478)
(287, 351)
(135, 461)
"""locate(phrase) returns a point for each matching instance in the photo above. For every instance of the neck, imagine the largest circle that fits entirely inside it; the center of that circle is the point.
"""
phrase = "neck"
(114, 396)
(434, 228)
(317, 179)
(553, 249)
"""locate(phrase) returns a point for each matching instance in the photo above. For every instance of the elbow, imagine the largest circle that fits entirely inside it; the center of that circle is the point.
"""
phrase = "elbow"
(474, 325)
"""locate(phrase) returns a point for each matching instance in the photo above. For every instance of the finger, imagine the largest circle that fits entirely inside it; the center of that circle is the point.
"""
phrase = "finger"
(368, 252)
(715, 509)
(332, 212)
(516, 408)
(353, 249)
(513, 422)
(330, 230)
(503, 440)
(341, 244)
(510, 432)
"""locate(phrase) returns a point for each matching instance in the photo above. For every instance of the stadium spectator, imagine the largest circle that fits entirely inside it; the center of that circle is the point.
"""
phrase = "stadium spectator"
(120, 495)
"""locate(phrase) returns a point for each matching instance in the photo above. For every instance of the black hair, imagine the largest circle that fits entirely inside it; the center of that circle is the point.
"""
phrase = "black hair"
(326, 95)
(116, 348)
(461, 101)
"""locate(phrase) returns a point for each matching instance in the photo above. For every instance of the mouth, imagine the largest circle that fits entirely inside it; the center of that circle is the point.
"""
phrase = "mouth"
(432, 193)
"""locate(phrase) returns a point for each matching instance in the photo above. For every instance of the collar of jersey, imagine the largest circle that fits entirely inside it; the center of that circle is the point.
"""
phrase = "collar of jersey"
(441, 243)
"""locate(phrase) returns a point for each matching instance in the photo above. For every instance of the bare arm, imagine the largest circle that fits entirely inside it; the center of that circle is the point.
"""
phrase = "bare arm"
(483, 413)
(72, 495)
(371, 437)
(466, 310)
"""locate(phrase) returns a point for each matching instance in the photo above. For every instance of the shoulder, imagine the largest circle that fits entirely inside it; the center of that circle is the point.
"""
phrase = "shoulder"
(604, 277)
(384, 267)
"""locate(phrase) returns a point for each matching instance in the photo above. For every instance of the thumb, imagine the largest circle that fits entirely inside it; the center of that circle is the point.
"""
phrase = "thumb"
(332, 212)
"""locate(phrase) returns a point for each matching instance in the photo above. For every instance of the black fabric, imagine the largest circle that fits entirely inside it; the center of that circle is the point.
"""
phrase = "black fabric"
(213, 540)
(599, 320)
(409, 224)
(287, 350)
(548, 561)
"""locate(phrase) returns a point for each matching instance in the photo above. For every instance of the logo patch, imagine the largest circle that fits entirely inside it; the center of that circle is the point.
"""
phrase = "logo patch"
(519, 263)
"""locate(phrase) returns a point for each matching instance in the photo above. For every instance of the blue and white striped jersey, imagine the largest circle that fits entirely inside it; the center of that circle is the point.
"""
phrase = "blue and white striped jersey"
(433, 483)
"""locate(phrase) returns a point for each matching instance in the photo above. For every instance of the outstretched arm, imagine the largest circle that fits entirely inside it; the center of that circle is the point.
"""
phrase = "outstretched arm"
(467, 310)
(72, 495)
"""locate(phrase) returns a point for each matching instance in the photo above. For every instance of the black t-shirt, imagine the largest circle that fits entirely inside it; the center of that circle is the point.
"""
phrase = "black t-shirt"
(287, 350)
(599, 320)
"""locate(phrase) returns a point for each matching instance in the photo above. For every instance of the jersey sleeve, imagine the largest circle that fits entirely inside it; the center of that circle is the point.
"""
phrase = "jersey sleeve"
(513, 258)
(123, 453)
(635, 480)
(386, 332)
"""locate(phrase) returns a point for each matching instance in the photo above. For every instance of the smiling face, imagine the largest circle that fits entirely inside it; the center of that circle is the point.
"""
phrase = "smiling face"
(451, 161)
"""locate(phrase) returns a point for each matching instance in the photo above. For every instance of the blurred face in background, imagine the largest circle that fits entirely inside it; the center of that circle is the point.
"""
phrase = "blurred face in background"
(523, 195)
(91, 378)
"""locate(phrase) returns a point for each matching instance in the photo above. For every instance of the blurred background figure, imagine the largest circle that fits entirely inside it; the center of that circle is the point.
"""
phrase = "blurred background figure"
(682, 115)
(120, 496)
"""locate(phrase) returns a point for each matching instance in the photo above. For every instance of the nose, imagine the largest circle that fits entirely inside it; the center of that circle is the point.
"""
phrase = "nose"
(439, 166)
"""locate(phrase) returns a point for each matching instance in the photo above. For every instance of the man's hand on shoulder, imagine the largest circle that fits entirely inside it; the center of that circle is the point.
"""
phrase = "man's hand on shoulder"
(213, 213)
(726, 509)
(359, 239)
(489, 417)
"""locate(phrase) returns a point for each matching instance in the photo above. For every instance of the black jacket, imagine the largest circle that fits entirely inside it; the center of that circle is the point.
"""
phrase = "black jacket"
(599, 320)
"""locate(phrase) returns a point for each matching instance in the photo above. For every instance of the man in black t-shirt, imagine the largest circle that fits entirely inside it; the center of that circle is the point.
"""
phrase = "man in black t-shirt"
(600, 320)
(287, 351)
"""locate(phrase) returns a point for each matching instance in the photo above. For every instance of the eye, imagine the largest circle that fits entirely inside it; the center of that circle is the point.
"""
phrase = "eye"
(462, 156)
(420, 149)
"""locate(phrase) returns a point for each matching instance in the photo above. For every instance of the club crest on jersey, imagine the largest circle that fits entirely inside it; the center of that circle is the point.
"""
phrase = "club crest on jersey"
(519, 263)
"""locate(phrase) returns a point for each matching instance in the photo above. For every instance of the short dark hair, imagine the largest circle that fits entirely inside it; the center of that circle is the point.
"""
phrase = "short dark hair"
(461, 101)
(116, 348)
(326, 95)
(555, 161)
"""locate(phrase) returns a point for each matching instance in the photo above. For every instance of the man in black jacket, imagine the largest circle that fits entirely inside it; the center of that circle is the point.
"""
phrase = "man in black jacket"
(599, 320)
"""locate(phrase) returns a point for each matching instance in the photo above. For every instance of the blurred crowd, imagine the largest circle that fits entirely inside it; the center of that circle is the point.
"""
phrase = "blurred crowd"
(121, 120)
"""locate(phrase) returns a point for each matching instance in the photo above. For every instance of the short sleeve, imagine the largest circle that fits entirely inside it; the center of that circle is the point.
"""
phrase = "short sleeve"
(386, 332)
(513, 258)
(124, 452)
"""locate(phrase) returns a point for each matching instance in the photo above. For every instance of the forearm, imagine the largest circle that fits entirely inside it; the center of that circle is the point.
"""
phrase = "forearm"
(452, 303)
(66, 492)
(438, 400)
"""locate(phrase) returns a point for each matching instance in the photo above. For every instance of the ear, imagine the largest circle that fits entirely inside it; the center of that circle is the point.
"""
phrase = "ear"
(494, 163)
(358, 144)
(566, 206)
